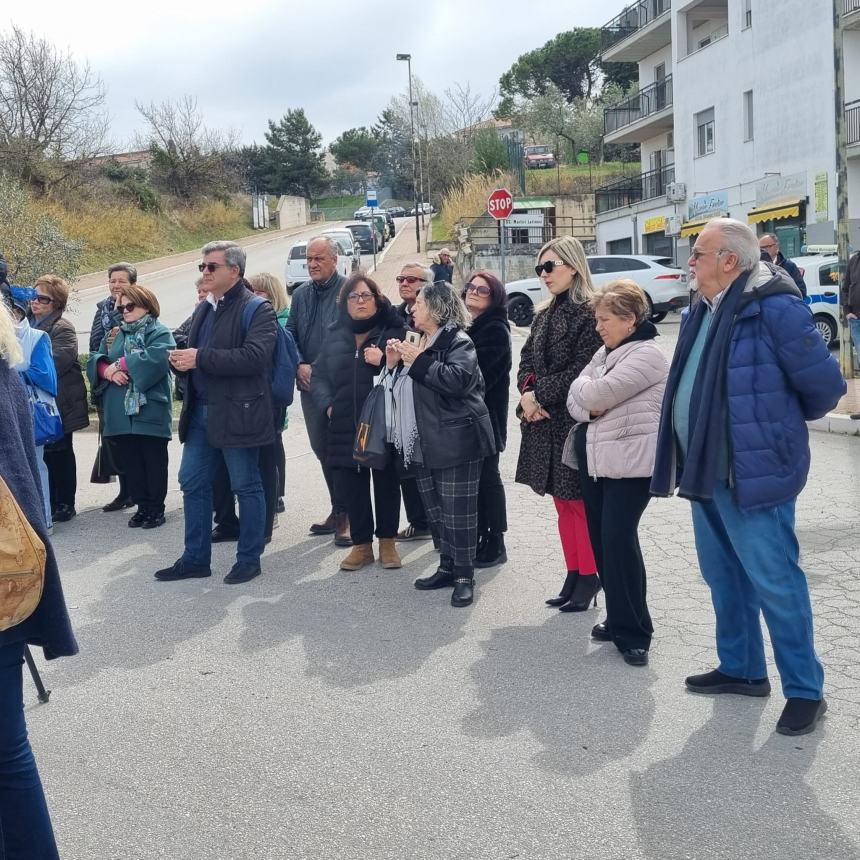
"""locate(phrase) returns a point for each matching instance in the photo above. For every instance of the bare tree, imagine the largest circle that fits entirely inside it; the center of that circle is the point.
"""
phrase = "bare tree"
(51, 111)
(188, 157)
(466, 110)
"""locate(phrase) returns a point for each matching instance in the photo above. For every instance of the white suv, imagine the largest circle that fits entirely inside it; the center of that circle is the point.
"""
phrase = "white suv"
(664, 283)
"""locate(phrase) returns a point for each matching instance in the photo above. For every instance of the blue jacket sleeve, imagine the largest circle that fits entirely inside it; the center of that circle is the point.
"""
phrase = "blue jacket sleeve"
(812, 372)
(42, 372)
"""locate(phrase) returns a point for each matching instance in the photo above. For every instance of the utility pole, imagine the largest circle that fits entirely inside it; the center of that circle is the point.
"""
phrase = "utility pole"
(408, 59)
(845, 361)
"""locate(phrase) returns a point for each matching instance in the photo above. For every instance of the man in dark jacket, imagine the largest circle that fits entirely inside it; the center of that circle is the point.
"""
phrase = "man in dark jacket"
(444, 269)
(227, 408)
(770, 245)
(851, 300)
(749, 371)
(313, 310)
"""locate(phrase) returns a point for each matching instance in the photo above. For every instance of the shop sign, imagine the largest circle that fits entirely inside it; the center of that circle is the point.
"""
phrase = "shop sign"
(655, 224)
(708, 204)
(770, 188)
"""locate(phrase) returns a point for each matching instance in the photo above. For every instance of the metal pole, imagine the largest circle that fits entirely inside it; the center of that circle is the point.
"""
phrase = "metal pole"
(845, 361)
(503, 224)
(420, 168)
(414, 181)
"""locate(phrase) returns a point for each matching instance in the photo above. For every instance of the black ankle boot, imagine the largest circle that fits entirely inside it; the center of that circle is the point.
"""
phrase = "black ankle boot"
(464, 586)
(492, 551)
(444, 576)
(566, 589)
(586, 589)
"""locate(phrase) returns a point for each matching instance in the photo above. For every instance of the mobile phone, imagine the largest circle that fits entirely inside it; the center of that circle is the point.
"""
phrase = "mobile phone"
(412, 337)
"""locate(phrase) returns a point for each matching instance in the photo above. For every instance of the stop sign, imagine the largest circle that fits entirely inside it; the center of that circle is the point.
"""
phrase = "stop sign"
(500, 204)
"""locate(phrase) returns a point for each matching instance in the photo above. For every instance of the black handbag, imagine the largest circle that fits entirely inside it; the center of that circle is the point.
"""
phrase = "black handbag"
(371, 448)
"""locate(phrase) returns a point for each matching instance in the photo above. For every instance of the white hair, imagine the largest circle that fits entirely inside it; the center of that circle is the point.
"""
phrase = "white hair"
(10, 348)
(738, 239)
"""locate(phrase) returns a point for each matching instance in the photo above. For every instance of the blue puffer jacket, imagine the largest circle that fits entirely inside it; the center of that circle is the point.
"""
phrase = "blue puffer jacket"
(779, 375)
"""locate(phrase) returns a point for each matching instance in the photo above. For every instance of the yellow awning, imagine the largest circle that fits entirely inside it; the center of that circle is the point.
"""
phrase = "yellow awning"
(693, 228)
(775, 211)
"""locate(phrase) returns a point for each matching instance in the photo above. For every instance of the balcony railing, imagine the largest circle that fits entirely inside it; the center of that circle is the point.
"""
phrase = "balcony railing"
(634, 18)
(626, 192)
(849, 6)
(852, 121)
(652, 99)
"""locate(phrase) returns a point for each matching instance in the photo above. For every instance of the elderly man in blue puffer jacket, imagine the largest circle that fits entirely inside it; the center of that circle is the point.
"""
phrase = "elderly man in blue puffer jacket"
(749, 371)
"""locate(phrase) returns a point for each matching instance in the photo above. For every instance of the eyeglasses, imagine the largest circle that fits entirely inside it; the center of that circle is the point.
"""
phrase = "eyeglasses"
(127, 308)
(361, 297)
(548, 266)
(42, 300)
(410, 279)
(769, 245)
(478, 289)
(696, 254)
(211, 267)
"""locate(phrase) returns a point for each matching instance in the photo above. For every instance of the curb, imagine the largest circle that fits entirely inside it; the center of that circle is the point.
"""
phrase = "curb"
(836, 422)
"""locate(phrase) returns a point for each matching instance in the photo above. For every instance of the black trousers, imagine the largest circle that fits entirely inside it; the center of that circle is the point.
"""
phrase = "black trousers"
(281, 459)
(144, 460)
(62, 472)
(492, 505)
(413, 503)
(316, 423)
(353, 489)
(613, 508)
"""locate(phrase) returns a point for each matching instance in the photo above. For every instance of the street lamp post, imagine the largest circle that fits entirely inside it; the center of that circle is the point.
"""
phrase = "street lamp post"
(408, 59)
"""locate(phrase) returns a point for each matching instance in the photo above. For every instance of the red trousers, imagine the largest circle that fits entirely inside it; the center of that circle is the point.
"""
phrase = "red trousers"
(573, 531)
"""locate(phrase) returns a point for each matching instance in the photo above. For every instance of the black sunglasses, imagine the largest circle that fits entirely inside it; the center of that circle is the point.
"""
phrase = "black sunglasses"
(42, 300)
(210, 267)
(478, 289)
(409, 279)
(548, 266)
(127, 308)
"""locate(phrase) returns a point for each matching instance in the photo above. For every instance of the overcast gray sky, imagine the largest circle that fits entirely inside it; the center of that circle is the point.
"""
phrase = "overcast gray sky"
(248, 61)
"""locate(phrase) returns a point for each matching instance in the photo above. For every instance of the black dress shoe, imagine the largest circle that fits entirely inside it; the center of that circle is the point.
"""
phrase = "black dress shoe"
(600, 632)
(182, 570)
(222, 535)
(799, 716)
(137, 520)
(118, 504)
(566, 589)
(280, 508)
(63, 513)
(583, 593)
(492, 551)
(326, 527)
(442, 578)
(242, 571)
(464, 587)
(153, 522)
(715, 682)
(635, 656)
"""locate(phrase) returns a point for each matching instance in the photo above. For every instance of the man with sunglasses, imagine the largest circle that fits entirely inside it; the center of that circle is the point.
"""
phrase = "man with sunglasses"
(769, 245)
(313, 310)
(412, 277)
(228, 408)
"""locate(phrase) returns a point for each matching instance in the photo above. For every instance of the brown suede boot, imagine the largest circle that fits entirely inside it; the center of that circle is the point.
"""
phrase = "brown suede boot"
(388, 554)
(342, 537)
(360, 556)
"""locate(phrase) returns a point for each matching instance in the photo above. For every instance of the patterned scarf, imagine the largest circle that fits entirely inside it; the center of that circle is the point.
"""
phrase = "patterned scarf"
(135, 341)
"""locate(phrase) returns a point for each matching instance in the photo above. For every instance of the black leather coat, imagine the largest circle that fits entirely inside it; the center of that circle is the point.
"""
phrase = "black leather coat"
(453, 423)
(491, 334)
(71, 389)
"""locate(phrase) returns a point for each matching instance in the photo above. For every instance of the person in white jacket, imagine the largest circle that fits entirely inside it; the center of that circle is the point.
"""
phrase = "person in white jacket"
(616, 403)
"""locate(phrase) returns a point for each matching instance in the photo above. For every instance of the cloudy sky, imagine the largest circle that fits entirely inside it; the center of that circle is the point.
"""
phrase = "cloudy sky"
(251, 60)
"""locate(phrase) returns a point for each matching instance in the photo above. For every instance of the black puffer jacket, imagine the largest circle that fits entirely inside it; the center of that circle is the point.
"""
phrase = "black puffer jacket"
(491, 334)
(238, 370)
(453, 423)
(342, 379)
(71, 389)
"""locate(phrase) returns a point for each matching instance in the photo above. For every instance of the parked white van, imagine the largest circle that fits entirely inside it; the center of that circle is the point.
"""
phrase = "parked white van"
(297, 265)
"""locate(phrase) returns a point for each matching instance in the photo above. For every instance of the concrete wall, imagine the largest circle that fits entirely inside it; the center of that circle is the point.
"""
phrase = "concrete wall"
(293, 212)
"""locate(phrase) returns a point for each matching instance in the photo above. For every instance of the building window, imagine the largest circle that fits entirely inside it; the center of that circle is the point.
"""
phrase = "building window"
(705, 132)
(748, 115)
(747, 13)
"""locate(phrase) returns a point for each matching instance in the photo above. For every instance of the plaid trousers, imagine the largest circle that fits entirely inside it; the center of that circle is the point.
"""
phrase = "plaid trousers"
(450, 498)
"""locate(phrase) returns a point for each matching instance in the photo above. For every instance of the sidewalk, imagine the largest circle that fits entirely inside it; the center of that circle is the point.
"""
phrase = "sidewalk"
(400, 251)
(840, 420)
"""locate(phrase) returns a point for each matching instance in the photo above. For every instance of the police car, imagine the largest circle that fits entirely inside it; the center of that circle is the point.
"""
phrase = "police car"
(820, 269)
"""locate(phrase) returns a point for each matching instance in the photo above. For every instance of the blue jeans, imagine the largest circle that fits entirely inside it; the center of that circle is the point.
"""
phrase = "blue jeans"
(199, 461)
(25, 826)
(854, 326)
(46, 484)
(750, 562)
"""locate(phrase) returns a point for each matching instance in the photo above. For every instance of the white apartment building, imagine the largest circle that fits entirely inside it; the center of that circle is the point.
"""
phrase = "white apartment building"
(734, 116)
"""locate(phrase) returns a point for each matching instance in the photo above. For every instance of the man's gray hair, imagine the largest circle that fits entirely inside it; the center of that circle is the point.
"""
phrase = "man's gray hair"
(739, 240)
(234, 255)
(445, 305)
(426, 271)
(130, 270)
(771, 237)
(331, 245)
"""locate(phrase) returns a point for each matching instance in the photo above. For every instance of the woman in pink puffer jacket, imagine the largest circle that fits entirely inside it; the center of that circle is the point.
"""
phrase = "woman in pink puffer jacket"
(616, 403)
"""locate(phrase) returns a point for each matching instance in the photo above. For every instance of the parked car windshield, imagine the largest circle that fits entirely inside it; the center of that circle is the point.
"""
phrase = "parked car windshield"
(297, 252)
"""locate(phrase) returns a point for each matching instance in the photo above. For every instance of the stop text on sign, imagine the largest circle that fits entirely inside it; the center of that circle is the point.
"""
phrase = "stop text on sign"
(500, 204)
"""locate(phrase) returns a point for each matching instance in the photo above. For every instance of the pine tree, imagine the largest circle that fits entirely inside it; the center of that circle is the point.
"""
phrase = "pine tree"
(295, 156)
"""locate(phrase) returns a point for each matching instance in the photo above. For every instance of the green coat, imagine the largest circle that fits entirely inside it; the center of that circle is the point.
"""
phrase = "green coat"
(150, 370)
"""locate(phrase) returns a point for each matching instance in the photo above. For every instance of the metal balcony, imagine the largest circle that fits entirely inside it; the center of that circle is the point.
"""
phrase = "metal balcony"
(641, 116)
(635, 189)
(638, 31)
(852, 121)
(851, 14)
